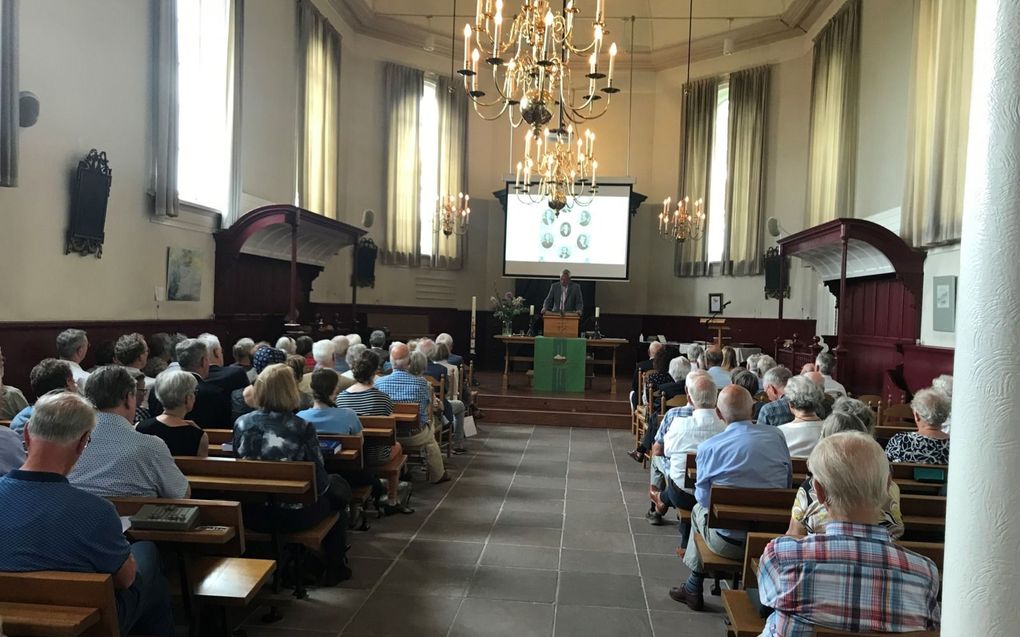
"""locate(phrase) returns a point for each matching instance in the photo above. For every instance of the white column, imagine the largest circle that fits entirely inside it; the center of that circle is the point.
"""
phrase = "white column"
(982, 582)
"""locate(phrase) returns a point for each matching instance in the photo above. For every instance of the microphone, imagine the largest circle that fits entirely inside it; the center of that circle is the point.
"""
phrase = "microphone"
(726, 303)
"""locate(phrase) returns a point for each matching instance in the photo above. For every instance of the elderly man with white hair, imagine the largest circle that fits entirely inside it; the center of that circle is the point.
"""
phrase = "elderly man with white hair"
(744, 455)
(842, 578)
(764, 364)
(52, 526)
(643, 366)
(354, 339)
(777, 412)
(929, 444)
(340, 345)
(72, 346)
(243, 351)
(825, 363)
(683, 436)
(447, 340)
(324, 353)
(226, 377)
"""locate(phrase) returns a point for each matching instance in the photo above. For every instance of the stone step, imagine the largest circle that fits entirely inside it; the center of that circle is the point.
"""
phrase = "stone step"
(618, 406)
(517, 416)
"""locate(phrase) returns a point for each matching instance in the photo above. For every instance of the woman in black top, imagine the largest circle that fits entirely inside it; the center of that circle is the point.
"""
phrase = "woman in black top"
(176, 391)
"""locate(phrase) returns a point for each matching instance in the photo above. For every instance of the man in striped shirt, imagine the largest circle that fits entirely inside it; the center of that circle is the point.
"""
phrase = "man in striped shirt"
(852, 578)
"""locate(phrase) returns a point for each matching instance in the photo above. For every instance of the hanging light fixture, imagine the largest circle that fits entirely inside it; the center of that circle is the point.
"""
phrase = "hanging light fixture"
(453, 211)
(565, 173)
(687, 221)
(536, 79)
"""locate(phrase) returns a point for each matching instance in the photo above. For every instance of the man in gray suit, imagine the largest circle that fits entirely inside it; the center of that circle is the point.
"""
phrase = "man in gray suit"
(564, 296)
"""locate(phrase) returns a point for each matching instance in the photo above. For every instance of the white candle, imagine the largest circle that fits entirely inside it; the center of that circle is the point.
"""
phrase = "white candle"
(612, 59)
(498, 25)
(548, 29)
(467, 45)
(591, 64)
(474, 306)
(531, 310)
(596, 311)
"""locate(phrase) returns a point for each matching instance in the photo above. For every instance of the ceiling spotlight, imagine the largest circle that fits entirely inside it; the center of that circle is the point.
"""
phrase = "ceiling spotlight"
(430, 39)
(728, 44)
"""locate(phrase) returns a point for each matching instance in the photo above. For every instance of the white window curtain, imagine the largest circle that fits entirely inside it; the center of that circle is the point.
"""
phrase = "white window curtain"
(745, 200)
(319, 150)
(940, 102)
(9, 93)
(402, 92)
(698, 115)
(832, 149)
(448, 252)
(166, 95)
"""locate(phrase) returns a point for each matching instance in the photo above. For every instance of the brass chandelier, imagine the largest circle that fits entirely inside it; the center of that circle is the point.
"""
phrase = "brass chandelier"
(453, 212)
(565, 174)
(688, 220)
(530, 67)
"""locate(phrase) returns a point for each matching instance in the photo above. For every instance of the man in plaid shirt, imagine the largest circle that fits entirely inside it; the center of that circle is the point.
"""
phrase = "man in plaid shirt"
(852, 577)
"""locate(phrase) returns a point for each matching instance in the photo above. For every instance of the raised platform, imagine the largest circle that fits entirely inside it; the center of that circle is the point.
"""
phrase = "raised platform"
(517, 405)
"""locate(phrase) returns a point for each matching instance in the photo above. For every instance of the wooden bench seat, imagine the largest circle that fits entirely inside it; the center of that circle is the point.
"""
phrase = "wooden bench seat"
(42, 620)
(310, 538)
(229, 581)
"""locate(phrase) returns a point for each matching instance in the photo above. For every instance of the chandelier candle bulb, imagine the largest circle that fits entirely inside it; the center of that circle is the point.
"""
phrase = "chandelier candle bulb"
(612, 60)
(531, 310)
(498, 20)
(597, 311)
(467, 45)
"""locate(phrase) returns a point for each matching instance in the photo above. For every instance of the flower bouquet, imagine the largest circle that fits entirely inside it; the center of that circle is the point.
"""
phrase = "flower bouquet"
(505, 307)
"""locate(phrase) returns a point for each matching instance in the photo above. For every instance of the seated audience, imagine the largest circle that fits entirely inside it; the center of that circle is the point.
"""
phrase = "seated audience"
(297, 365)
(729, 359)
(354, 339)
(227, 377)
(804, 431)
(856, 408)
(810, 516)
(131, 350)
(929, 444)
(12, 400)
(453, 393)
(714, 359)
(377, 342)
(684, 435)
(660, 369)
(102, 356)
(679, 367)
(73, 530)
(273, 432)
(405, 384)
(355, 352)
(49, 375)
(852, 578)
(696, 354)
(777, 412)
(212, 409)
(12, 450)
(765, 363)
(944, 384)
(749, 381)
(242, 351)
(120, 461)
(324, 415)
(824, 407)
(363, 397)
(669, 390)
(159, 354)
(287, 344)
(745, 455)
(447, 340)
(340, 346)
(141, 412)
(176, 392)
(303, 348)
(825, 364)
(72, 346)
(453, 409)
(642, 366)
(264, 356)
(807, 367)
(751, 365)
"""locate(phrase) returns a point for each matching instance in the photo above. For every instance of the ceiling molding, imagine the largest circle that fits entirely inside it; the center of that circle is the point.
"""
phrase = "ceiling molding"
(794, 22)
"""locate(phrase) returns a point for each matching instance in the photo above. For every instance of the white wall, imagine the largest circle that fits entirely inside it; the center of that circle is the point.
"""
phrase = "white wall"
(940, 262)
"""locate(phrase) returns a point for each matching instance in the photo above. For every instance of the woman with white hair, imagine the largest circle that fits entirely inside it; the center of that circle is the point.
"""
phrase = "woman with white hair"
(176, 392)
(944, 383)
(805, 430)
(810, 516)
(929, 444)
(287, 345)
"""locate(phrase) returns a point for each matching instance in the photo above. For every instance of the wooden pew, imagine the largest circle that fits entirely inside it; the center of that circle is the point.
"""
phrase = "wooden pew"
(383, 431)
(267, 483)
(884, 433)
(59, 604)
(903, 476)
(798, 465)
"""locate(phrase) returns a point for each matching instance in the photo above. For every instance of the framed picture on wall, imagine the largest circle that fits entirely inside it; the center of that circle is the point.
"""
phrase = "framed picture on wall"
(943, 315)
(715, 303)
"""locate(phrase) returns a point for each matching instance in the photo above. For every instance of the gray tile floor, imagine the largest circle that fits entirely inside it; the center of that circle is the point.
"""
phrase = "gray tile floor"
(541, 533)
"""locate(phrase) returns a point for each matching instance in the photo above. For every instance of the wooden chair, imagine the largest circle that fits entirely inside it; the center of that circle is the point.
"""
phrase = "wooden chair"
(266, 483)
(57, 603)
(897, 416)
(5, 423)
(679, 400)
(639, 413)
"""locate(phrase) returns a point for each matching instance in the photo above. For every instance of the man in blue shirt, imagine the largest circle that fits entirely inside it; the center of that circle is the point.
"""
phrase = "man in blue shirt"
(713, 358)
(777, 411)
(745, 455)
(73, 530)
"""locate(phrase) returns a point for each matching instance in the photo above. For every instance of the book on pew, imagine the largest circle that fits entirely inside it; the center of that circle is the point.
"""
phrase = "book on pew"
(329, 446)
(165, 517)
(930, 475)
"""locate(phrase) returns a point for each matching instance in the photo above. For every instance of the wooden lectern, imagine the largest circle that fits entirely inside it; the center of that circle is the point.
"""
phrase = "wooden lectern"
(560, 325)
(719, 325)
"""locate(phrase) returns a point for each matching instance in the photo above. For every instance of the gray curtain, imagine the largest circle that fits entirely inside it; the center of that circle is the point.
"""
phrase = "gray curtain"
(835, 81)
(402, 92)
(448, 252)
(235, 62)
(319, 113)
(940, 112)
(163, 168)
(9, 93)
(690, 257)
(745, 200)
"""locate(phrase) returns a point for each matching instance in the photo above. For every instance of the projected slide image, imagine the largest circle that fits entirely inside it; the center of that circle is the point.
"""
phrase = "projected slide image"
(589, 239)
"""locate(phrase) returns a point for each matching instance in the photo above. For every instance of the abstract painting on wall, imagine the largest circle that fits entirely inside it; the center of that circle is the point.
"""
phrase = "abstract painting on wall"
(944, 312)
(184, 274)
